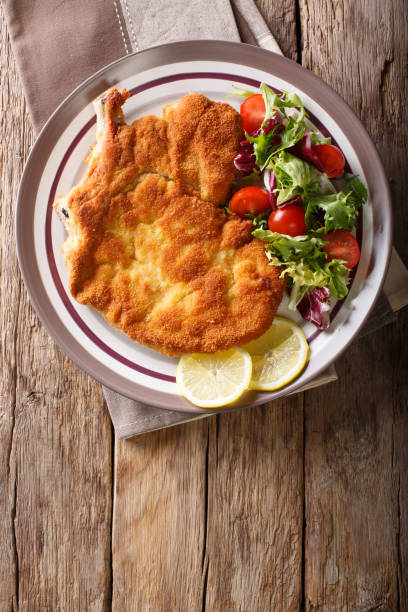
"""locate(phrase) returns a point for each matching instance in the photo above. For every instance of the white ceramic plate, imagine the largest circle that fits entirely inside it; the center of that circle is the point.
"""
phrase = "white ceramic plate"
(156, 77)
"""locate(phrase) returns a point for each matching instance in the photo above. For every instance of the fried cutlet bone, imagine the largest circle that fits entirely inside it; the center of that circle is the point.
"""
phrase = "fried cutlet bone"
(194, 142)
(158, 261)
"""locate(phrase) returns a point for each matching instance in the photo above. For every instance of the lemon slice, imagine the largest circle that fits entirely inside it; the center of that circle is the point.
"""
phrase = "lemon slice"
(278, 356)
(211, 381)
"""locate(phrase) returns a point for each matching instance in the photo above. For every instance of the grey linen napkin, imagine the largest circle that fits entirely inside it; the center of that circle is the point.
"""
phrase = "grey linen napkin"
(51, 65)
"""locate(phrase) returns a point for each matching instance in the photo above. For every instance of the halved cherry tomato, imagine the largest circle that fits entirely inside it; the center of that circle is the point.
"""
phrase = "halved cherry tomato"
(342, 245)
(288, 220)
(331, 158)
(253, 113)
(250, 200)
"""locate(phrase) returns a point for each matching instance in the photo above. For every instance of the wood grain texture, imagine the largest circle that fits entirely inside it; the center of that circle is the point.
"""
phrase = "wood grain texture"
(55, 435)
(280, 17)
(253, 551)
(351, 509)
(356, 430)
(159, 520)
(11, 164)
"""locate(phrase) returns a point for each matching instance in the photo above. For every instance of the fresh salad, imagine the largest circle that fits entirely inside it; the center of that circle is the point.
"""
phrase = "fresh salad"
(303, 205)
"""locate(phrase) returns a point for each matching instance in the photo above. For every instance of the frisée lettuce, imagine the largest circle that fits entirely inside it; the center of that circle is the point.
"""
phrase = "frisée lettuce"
(294, 177)
(339, 212)
(304, 262)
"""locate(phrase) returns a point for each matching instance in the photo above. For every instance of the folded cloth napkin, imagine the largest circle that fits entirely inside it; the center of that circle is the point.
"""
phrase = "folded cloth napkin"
(59, 45)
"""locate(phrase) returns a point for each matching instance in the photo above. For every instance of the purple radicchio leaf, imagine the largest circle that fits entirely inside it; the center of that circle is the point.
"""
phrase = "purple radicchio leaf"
(245, 160)
(267, 127)
(270, 184)
(314, 307)
(304, 150)
(294, 201)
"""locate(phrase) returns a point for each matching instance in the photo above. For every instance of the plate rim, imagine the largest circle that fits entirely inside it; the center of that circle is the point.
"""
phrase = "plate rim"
(255, 57)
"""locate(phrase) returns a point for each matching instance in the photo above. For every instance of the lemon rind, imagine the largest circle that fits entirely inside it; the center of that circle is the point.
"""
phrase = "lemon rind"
(226, 401)
(283, 382)
(265, 387)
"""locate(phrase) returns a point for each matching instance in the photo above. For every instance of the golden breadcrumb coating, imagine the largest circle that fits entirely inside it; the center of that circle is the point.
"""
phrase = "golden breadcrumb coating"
(147, 250)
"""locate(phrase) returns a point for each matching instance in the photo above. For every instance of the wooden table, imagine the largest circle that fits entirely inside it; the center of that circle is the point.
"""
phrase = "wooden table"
(301, 504)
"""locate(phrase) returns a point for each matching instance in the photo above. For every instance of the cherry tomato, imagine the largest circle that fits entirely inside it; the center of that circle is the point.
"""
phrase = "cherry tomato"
(288, 220)
(342, 245)
(253, 113)
(250, 200)
(331, 158)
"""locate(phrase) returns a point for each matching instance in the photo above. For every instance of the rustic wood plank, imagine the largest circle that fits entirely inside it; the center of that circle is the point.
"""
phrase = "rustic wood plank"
(255, 509)
(159, 520)
(10, 168)
(399, 359)
(209, 515)
(356, 459)
(281, 19)
(55, 435)
(351, 512)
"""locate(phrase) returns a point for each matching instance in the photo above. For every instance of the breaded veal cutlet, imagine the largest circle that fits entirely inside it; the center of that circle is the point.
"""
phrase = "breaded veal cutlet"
(148, 246)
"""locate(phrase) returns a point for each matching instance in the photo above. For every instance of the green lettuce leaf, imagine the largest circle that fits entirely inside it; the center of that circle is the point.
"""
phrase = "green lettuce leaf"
(260, 221)
(358, 191)
(263, 145)
(293, 177)
(338, 276)
(292, 133)
(275, 102)
(317, 138)
(294, 125)
(339, 211)
(304, 262)
(291, 248)
(241, 93)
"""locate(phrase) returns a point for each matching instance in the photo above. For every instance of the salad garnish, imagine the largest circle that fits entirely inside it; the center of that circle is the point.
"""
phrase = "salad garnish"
(287, 188)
